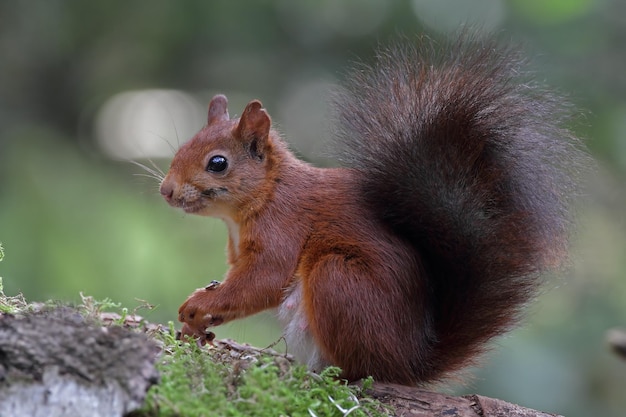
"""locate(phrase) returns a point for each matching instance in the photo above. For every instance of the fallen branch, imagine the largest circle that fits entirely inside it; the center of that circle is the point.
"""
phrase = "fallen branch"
(415, 402)
(56, 362)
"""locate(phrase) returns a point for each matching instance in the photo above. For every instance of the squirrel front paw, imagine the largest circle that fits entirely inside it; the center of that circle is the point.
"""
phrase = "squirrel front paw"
(200, 338)
(199, 312)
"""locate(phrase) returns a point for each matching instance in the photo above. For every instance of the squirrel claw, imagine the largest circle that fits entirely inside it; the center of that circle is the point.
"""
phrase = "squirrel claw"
(212, 285)
(201, 338)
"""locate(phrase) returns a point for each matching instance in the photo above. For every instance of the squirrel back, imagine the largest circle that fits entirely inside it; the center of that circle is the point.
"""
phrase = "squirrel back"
(472, 164)
(454, 198)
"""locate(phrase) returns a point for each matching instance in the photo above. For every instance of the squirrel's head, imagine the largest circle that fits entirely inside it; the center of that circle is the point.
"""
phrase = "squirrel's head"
(226, 168)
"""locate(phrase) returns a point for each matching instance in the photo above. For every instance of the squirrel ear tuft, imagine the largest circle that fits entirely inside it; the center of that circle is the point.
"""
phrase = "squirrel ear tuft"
(218, 109)
(254, 128)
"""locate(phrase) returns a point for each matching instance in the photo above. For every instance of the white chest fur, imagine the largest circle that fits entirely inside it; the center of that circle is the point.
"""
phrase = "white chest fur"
(300, 342)
(233, 233)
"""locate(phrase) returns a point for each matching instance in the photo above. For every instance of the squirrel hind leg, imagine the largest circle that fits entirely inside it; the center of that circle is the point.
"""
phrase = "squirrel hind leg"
(364, 326)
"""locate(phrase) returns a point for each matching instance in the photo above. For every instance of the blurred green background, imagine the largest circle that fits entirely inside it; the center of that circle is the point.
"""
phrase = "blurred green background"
(86, 86)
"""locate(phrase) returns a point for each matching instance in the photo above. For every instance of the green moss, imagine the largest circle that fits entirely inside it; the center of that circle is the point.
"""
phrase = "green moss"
(226, 379)
(200, 381)
(10, 305)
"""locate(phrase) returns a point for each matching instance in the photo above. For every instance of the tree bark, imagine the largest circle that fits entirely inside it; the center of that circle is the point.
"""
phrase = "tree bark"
(415, 402)
(57, 363)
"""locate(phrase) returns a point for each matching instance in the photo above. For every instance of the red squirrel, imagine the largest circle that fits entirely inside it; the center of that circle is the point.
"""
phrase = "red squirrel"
(453, 198)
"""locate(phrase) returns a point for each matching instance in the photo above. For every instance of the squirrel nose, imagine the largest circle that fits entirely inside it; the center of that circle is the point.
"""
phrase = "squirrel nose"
(167, 191)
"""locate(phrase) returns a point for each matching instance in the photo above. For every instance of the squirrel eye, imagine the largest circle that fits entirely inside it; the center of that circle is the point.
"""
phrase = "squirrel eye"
(217, 163)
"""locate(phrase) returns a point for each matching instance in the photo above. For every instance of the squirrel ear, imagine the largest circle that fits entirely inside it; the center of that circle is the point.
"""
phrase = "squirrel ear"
(254, 128)
(218, 109)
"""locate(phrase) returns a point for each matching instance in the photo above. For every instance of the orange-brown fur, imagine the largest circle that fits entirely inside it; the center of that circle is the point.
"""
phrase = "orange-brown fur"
(403, 265)
(300, 221)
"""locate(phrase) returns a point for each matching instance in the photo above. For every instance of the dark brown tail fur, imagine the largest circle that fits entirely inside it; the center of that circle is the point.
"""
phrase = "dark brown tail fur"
(469, 161)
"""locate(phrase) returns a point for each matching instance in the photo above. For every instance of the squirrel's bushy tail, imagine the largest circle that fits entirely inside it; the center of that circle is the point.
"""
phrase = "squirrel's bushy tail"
(468, 160)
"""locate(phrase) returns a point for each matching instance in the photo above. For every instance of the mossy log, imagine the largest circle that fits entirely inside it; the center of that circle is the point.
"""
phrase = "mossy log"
(57, 363)
(415, 402)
